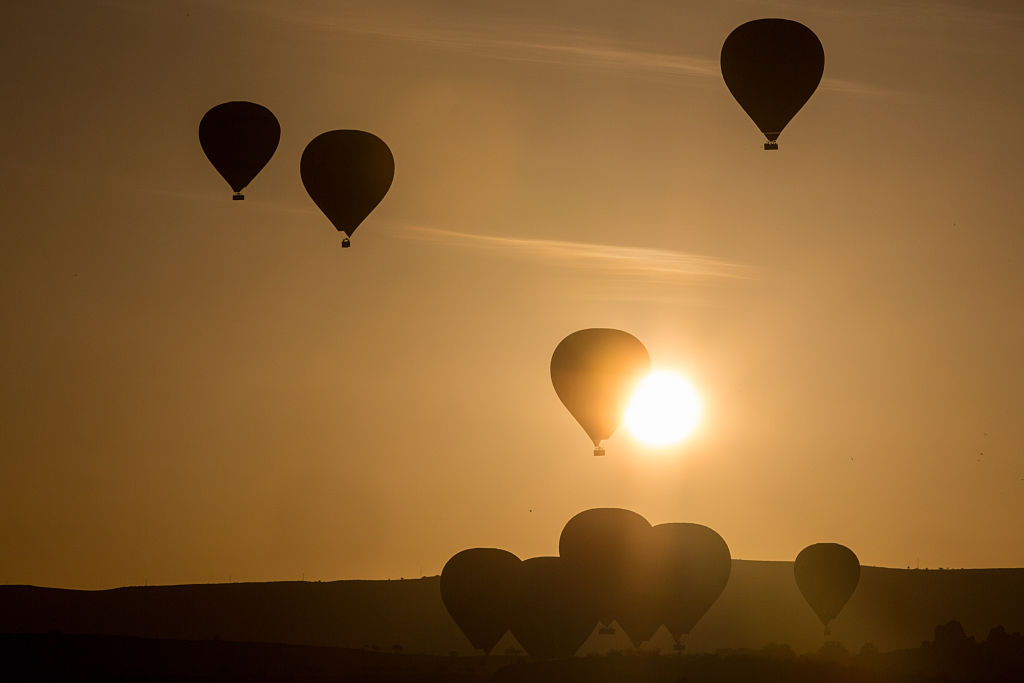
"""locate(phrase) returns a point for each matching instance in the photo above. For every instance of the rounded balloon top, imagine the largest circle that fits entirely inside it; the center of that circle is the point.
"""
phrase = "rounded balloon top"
(602, 549)
(476, 588)
(594, 372)
(551, 617)
(694, 562)
(826, 574)
(239, 138)
(772, 67)
(347, 173)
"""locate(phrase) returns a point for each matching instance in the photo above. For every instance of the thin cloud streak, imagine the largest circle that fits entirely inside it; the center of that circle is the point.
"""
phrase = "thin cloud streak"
(662, 266)
(554, 47)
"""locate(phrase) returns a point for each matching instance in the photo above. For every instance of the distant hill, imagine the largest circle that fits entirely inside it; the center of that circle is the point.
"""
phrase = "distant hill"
(892, 608)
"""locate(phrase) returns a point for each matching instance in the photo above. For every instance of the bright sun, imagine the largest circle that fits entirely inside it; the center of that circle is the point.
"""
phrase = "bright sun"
(664, 409)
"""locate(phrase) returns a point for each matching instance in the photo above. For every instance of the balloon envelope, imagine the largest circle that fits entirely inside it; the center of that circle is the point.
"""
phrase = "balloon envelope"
(239, 138)
(826, 574)
(550, 617)
(476, 588)
(601, 549)
(772, 67)
(692, 565)
(347, 173)
(594, 372)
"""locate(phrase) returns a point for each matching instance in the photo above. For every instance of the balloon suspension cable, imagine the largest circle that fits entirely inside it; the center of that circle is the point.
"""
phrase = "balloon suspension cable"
(238, 196)
(346, 243)
(598, 450)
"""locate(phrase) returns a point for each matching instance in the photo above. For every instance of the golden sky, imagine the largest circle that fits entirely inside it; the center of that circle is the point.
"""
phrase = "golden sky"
(194, 388)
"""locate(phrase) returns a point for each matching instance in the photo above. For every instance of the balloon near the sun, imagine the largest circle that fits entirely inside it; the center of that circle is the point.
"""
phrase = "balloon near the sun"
(664, 409)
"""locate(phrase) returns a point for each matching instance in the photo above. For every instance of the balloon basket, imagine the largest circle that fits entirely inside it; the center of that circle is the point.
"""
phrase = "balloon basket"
(770, 146)
(345, 243)
(238, 196)
(599, 451)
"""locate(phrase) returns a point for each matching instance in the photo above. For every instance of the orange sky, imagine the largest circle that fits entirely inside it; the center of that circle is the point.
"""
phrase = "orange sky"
(194, 388)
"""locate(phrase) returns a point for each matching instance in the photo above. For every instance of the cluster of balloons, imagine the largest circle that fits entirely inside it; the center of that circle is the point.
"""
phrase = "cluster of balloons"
(612, 565)
(346, 172)
(771, 66)
(594, 372)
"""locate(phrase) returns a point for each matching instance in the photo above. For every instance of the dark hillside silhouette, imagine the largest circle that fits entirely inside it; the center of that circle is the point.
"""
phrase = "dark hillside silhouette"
(891, 608)
(340, 613)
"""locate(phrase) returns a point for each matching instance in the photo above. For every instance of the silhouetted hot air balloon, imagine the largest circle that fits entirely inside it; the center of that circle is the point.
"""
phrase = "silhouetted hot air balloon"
(601, 548)
(476, 588)
(826, 574)
(550, 617)
(594, 371)
(772, 67)
(239, 138)
(692, 564)
(347, 173)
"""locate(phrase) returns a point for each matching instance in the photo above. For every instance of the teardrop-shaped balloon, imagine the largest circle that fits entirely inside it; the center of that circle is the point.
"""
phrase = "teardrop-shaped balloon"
(347, 173)
(550, 617)
(772, 67)
(693, 565)
(826, 574)
(239, 138)
(476, 588)
(601, 548)
(594, 372)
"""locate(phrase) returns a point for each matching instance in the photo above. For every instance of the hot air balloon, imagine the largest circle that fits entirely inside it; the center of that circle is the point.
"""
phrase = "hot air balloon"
(826, 574)
(476, 588)
(692, 566)
(550, 617)
(239, 138)
(601, 548)
(347, 173)
(772, 67)
(594, 371)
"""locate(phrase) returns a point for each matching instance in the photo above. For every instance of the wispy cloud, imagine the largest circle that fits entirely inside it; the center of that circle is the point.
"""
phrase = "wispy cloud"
(494, 39)
(628, 264)
(510, 41)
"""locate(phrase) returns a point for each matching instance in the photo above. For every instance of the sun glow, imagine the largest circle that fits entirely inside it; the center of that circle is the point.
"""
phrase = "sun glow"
(664, 409)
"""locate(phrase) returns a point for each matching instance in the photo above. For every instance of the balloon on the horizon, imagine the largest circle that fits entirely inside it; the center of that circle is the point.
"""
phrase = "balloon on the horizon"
(594, 372)
(692, 565)
(826, 574)
(239, 138)
(601, 549)
(550, 616)
(476, 588)
(772, 67)
(347, 173)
